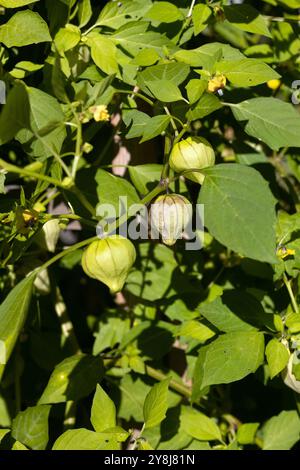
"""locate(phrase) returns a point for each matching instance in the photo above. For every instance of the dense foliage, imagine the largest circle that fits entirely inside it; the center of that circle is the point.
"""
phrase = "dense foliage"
(108, 343)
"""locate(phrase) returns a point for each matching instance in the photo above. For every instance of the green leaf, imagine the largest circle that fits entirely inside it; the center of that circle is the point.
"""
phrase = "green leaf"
(207, 104)
(172, 71)
(103, 51)
(13, 313)
(156, 404)
(239, 217)
(247, 18)
(31, 427)
(67, 38)
(136, 121)
(103, 413)
(199, 426)
(277, 356)
(46, 121)
(271, 120)
(195, 329)
(134, 37)
(282, 431)
(145, 177)
(83, 439)
(246, 433)
(155, 127)
(24, 68)
(247, 72)
(16, 3)
(116, 14)
(15, 114)
(164, 90)
(145, 57)
(2, 183)
(164, 12)
(66, 382)
(229, 358)
(24, 28)
(200, 15)
(110, 188)
(84, 12)
(236, 310)
(195, 89)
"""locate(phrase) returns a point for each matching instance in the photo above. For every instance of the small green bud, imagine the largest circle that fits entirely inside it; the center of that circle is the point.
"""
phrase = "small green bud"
(170, 214)
(192, 153)
(109, 260)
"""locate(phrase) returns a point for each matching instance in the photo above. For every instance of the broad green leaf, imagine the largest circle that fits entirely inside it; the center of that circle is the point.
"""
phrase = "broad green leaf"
(155, 127)
(229, 358)
(83, 439)
(172, 71)
(271, 120)
(246, 433)
(66, 382)
(247, 18)
(116, 14)
(195, 89)
(282, 431)
(134, 37)
(103, 51)
(31, 427)
(236, 310)
(199, 426)
(164, 90)
(277, 356)
(145, 57)
(195, 329)
(46, 123)
(24, 68)
(13, 313)
(24, 28)
(247, 72)
(136, 122)
(207, 104)
(200, 15)
(145, 177)
(16, 3)
(84, 12)
(103, 412)
(110, 188)
(67, 38)
(15, 113)
(164, 12)
(156, 404)
(240, 210)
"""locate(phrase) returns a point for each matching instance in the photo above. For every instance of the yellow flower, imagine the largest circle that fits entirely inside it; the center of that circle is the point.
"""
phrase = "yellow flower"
(283, 252)
(274, 84)
(216, 83)
(100, 112)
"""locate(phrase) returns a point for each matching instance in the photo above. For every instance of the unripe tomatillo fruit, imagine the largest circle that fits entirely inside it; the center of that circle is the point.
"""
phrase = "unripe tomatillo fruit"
(109, 260)
(192, 153)
(170, 214)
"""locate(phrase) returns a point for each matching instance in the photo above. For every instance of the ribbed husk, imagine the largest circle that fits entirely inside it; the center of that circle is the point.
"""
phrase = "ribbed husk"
(192, 153)
(109, 260)
(170, 214)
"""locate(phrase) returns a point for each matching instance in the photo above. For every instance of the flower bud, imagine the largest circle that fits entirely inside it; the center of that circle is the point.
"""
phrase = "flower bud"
(49, 235)
(170, 214)
(109, 260)
(192, 153)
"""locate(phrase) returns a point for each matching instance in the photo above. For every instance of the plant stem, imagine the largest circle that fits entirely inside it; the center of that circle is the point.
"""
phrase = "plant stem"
(291, 293)
(173, 124)
(138, 95)
(178, 387)
(191, 9)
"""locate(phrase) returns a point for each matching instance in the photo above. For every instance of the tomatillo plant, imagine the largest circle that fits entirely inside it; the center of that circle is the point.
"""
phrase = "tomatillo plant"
(149, 222)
